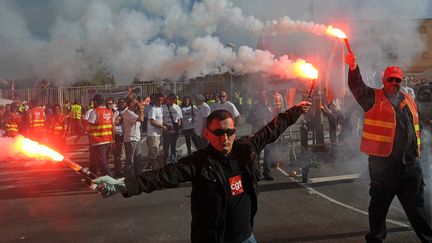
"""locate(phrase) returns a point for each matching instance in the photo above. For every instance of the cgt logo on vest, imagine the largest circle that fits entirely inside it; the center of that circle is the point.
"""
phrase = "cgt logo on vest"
(236, 185)
(107, 116)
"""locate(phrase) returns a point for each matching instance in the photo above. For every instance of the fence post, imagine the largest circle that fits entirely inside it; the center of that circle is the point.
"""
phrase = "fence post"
(60, 96)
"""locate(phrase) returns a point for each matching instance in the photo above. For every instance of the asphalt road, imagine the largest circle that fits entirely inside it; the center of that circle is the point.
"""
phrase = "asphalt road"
(48, 203)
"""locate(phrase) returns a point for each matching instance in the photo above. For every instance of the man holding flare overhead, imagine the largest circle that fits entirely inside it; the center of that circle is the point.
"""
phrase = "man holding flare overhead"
(224, 177)
(391, 138)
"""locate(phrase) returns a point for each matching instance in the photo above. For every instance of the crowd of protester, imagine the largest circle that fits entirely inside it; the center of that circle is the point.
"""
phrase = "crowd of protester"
(119, 129)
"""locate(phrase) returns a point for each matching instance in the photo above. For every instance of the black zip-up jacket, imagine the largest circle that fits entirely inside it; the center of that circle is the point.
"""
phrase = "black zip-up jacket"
(202, 168)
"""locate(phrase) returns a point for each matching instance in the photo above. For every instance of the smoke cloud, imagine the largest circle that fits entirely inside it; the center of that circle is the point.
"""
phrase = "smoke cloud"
(180, 39)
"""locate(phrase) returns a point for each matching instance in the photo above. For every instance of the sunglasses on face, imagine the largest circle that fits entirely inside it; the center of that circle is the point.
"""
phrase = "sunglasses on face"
(221, 132)
(397, 80)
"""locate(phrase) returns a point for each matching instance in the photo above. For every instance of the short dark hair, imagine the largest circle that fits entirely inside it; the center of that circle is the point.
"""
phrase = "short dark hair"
(184, 101)
(98, 99)
(110, 99)
(130, 101)
(158, 95)
(219, 115)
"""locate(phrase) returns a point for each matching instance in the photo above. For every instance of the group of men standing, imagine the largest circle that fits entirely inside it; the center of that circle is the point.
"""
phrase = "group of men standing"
(35, 124)
(159, 122)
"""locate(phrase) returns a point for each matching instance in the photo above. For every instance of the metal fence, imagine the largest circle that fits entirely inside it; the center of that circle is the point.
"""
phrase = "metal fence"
(83, 94)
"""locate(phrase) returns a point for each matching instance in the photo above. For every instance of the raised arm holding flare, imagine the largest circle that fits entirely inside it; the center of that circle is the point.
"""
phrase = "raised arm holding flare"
(224, 177)
(391, 138)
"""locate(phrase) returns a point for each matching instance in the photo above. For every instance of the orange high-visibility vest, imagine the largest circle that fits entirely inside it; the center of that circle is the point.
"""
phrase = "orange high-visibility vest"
(37, 119)
(379, 125)
(11, 126)
(101, 132)
(56, 124)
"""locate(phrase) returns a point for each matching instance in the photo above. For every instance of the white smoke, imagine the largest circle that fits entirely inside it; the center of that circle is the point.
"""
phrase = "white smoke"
(147, 39)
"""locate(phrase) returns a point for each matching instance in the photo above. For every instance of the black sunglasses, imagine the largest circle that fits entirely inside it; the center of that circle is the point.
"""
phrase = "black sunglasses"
(221, 132)
(397, 80)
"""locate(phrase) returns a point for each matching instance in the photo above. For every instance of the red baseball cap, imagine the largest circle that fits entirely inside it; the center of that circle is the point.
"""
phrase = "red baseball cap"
(393, 72)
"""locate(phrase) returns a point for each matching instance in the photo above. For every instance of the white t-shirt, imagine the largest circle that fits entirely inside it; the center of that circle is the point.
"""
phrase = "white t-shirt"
(131, 126)
(203, 111)
(87, 115)
(155, 113)
(175, 112)
(118, 128)
(188, 117)
(228, 106)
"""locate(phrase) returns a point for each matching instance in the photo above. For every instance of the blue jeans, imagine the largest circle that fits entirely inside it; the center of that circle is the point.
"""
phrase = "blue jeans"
(251, 239)
(170, 145)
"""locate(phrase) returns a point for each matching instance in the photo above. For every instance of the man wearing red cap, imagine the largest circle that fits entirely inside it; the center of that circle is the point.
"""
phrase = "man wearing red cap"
(391, 138)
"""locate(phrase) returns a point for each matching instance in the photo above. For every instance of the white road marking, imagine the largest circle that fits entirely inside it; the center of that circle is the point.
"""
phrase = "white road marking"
(334, 178)
(310, 189)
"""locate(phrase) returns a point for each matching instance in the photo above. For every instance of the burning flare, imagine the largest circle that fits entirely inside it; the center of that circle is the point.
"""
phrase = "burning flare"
(307, 70)
(335, 32)
(33, 149)
(338, 33)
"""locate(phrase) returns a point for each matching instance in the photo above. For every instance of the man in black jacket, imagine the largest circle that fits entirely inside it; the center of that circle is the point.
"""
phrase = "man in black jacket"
(224, 177)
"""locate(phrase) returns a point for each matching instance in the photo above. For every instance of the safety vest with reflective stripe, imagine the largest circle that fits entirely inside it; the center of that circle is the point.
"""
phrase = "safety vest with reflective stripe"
(37, 119)
(76, 111)
(210, 102)
(11, 126)
(56, 125)
(101, 132)
(379, 125)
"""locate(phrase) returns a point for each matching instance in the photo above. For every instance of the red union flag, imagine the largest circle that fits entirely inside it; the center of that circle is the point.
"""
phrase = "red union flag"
(236, 185)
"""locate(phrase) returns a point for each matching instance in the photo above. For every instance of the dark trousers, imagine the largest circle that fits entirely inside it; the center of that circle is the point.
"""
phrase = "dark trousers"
(117, 153)
(267, 159)
(189, 135)
(170, 145)
(98, 159)
(133, 158)
(404, 181)
(76, 127)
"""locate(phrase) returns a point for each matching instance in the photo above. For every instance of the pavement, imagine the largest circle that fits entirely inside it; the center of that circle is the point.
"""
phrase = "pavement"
(48, 203)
